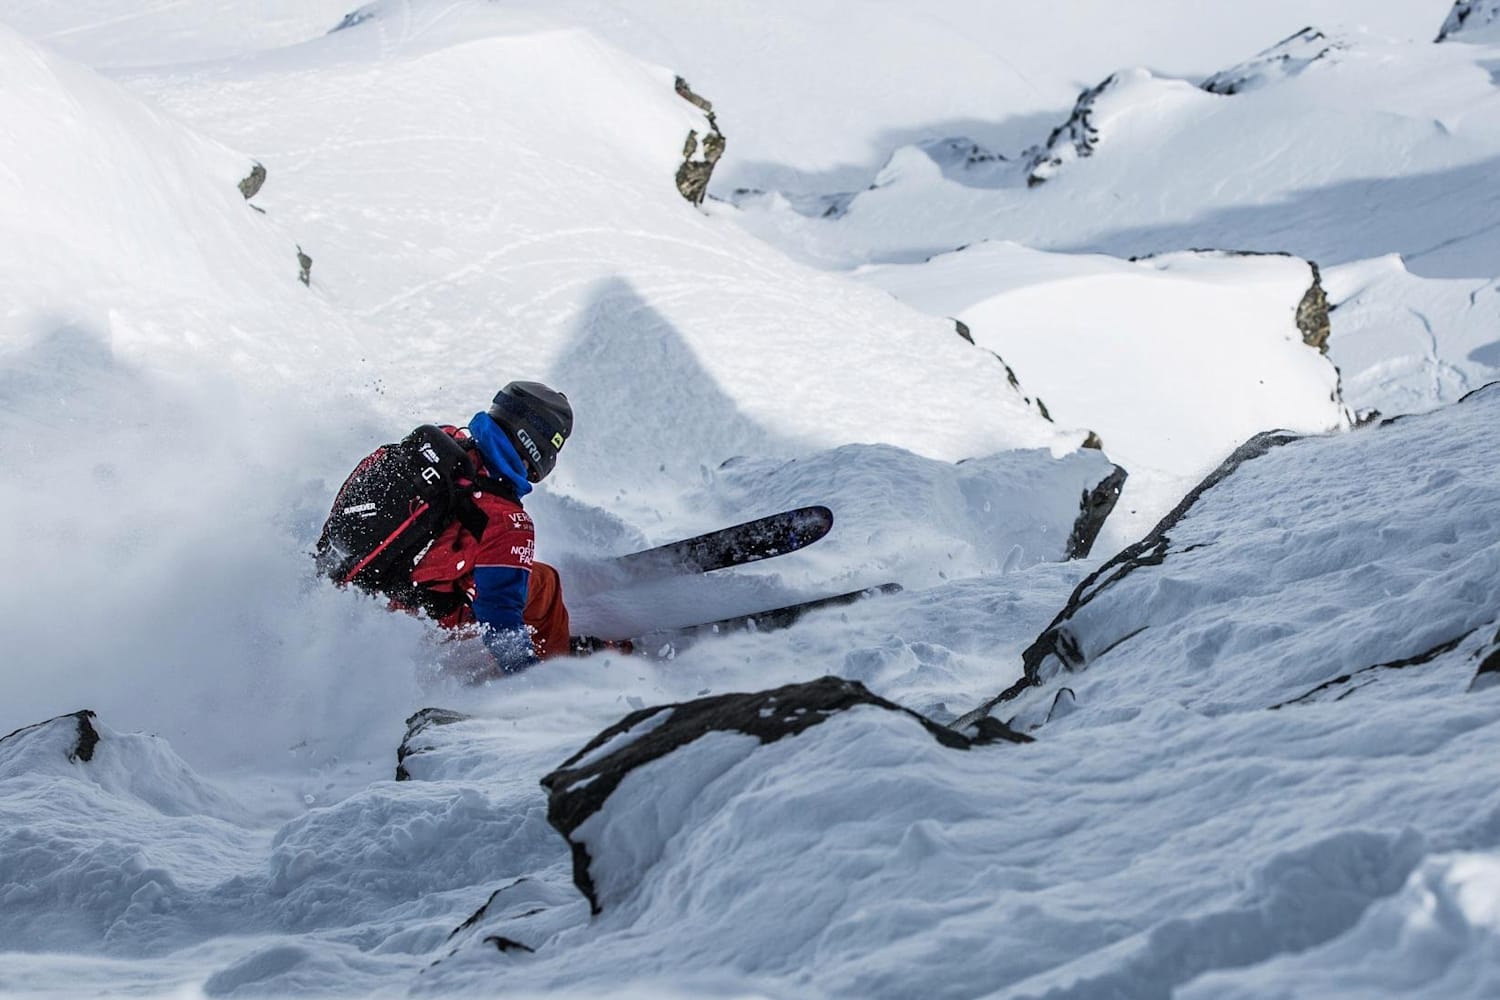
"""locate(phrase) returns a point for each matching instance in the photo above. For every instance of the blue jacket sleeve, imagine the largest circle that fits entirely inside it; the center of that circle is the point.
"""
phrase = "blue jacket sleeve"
(499, 600)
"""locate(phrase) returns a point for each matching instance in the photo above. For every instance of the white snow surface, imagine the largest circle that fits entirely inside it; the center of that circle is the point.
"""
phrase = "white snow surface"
(486, 192)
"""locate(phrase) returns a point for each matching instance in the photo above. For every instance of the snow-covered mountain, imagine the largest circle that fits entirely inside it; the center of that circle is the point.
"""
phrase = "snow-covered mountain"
(962, 271)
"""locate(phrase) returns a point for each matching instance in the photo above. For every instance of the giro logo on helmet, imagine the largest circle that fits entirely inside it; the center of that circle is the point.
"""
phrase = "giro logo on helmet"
(529, 445)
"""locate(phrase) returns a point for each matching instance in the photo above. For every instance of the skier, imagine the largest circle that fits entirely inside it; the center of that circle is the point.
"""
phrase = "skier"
(514, 600)
(478, 575)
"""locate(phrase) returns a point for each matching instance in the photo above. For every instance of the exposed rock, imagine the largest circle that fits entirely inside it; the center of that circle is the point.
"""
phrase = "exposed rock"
(1287, 58)
(694, 174)
(527, 910)
(357, 16)
(304, 267)
(416, 725)
(1094, 509)
(1057, 650)
(251, 185)
(1312, 313)
(1488, 674)
(1056, 647)
(581, 786)
(1469, 15)
(1010, 375)
(80, 745)
(1075, 138)
(1346, 684)
(964, 161)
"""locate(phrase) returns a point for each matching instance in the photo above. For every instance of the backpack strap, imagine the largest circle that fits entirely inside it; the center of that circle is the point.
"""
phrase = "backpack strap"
(469, 515)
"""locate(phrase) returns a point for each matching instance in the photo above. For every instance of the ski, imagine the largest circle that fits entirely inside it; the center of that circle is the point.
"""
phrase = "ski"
(752, 541)
(663, 642)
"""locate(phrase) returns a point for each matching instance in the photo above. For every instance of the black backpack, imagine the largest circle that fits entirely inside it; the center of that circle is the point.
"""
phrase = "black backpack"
(392, 507)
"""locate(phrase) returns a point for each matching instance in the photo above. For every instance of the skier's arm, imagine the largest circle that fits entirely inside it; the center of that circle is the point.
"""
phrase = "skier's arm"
(499, 599)
(502, 573)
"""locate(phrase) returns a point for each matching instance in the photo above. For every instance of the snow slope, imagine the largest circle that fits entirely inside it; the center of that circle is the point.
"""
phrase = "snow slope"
(156, 316)
(1297, 838)
(585, 266)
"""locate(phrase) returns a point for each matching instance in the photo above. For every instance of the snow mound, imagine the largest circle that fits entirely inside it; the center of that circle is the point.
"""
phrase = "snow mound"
(1436, 937)
(616, 840)
(1302, 570)
(97, 827)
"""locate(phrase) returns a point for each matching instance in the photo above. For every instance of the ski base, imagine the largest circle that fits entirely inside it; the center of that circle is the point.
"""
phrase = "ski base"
(752, 541)
(664, 642)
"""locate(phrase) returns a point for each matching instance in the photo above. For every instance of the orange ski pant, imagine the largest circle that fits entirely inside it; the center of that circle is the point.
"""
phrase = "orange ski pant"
(545, 612)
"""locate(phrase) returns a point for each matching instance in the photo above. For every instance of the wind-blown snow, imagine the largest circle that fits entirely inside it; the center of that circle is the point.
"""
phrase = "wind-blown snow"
(485, 190)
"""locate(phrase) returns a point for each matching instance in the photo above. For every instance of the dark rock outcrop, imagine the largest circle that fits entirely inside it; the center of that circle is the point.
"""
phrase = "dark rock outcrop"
(1077, 136)
(417, 724)
(583, 784)
(1346, 684)
(1468, 15)
(964, 161)
(304, 267)
(1488, 673)
(1286, 58)
(1094, 509)
(355, 17)
(1312, 313)
(251, 185)
(81, 744)
(694, 174)
(526, 910)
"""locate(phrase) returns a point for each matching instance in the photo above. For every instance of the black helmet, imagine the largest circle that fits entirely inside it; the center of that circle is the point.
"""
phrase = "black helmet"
(538, 420)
